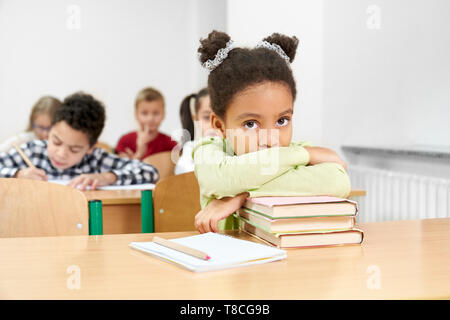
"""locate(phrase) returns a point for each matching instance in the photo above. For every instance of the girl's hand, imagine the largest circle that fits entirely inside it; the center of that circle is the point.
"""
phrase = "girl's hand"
(319, 155)
(208, 218)
(31, 173)
(93, 180)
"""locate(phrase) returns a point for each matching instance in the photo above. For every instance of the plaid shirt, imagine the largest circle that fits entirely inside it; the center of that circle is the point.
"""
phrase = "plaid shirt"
(127, 171)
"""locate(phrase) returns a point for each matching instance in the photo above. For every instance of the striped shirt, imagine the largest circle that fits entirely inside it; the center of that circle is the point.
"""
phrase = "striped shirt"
(99, 161)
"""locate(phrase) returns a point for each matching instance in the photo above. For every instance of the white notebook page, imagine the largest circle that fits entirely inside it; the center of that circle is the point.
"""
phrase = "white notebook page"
(225, 252)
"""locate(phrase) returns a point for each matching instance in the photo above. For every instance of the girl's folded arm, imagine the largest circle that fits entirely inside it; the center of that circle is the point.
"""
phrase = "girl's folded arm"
(326, 178)
(319, 155)
(220, 174)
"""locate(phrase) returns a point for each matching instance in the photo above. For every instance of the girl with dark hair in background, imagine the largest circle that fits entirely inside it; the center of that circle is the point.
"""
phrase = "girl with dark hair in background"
(195, 114)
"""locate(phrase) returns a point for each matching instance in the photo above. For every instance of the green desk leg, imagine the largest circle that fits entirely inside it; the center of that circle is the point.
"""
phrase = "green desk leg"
(147, 211)
(95, 218)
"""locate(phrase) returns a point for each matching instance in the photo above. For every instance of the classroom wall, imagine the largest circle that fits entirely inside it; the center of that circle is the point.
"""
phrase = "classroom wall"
(360, 80)
(386, 73)
(111, 49)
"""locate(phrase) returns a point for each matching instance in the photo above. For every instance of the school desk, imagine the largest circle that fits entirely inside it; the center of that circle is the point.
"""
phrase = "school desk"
(122, 211)
(397, 260)
(357, 193)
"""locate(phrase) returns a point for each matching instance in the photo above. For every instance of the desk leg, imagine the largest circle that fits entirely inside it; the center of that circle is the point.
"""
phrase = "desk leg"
(95, 217)
(147, 211)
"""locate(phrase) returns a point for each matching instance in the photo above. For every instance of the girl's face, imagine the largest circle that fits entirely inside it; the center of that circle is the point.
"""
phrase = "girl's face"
(203, 116)
(150, 114)
(41, 125)
(257, 118)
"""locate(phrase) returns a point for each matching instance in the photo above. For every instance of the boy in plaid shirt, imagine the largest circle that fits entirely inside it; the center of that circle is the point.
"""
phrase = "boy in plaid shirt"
(70, 151)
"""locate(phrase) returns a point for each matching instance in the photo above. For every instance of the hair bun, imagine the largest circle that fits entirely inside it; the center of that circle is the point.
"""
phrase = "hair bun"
(215, 41)
(288, 44)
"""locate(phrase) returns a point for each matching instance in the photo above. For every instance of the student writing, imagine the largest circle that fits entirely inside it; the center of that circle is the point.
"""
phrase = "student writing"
(252, 94)
(70, 151)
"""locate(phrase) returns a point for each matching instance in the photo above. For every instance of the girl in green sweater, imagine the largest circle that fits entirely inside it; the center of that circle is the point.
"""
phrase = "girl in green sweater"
(252, 94)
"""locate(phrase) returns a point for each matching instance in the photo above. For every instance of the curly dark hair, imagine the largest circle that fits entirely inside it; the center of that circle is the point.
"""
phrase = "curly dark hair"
(82, 112)
(245, 67)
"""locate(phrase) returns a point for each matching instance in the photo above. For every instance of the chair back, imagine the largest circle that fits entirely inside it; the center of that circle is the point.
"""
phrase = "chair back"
(163, 162)
(30, 208)
(105, 146)
(176, 202)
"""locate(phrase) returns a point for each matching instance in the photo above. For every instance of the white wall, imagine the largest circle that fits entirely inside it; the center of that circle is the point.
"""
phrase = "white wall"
(119, 48)
(356, 85)
(359, 84)
(252, 20)
(386, 86)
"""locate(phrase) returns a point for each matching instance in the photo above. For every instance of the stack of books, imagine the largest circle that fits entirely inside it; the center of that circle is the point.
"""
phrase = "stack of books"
(289, 222)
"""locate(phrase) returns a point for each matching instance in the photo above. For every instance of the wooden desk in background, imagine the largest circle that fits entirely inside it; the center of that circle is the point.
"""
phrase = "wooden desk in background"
(121, 210)
(357, 193)
(397, 260)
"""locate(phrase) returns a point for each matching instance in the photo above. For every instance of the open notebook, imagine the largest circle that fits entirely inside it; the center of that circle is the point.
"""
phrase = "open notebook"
(146, 186)
(225, 252)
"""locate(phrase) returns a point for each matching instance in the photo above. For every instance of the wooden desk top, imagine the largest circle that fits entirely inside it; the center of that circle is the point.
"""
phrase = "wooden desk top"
(115, 196)
(110, 197)
(357, 193)
(397, 260)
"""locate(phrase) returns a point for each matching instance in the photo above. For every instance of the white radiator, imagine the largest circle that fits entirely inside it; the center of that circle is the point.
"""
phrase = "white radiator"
(399, 196)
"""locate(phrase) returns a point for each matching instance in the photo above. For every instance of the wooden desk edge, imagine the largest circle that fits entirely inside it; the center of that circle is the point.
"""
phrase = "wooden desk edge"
(116, 197)
(118, 201)
(357, 193)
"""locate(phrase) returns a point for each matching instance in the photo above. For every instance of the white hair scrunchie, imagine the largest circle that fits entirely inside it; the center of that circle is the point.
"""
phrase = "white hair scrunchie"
(221, 55)
(273, 47)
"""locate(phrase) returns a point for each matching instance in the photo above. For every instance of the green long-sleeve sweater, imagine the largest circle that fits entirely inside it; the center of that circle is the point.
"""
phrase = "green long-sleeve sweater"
(278, 171)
